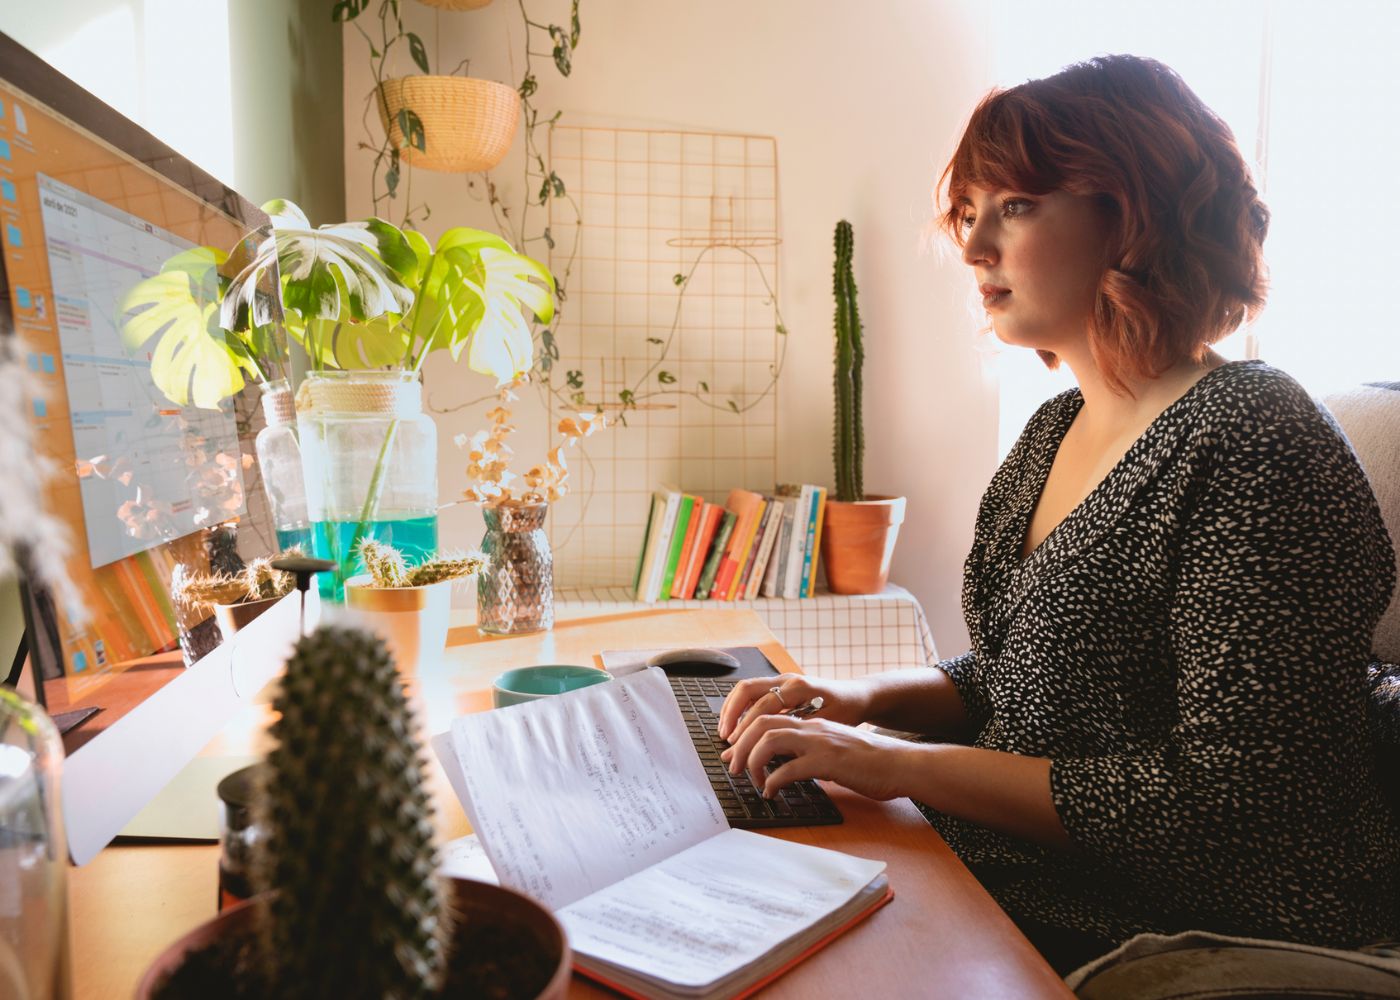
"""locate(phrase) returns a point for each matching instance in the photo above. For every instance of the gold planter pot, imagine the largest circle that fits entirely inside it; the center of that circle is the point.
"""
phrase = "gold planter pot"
(468, 124)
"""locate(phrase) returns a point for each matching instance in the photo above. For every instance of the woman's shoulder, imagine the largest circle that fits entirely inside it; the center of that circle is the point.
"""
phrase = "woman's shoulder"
(1252, 403)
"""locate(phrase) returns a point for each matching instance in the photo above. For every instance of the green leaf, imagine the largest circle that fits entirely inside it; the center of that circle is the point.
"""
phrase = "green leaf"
(544, 192)
(391, 180)
(655, 340)
(678, 280)
(574, 29)
(561, 49)
(335, 272)
(473, 299)
(411, 129)
(194, 362)
(546, 363)
(579, 398)
(704, 387)
(733, 406)
(528, 86)
(557, 183)
(665, 378)
(781, 329)
(418, 52)
(629, 400)
(548, 238)
(575, 378)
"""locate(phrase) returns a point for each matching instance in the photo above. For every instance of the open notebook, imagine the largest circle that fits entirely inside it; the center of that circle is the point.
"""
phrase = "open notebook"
(595, 804)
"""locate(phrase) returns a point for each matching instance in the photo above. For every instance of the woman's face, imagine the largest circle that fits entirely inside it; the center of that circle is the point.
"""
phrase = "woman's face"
(1038, 260)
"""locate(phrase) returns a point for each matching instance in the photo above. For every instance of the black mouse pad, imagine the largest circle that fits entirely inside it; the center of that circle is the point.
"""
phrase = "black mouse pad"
(752, 663)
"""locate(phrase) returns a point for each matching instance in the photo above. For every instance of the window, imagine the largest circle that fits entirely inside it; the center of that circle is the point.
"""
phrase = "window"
(1310, 92)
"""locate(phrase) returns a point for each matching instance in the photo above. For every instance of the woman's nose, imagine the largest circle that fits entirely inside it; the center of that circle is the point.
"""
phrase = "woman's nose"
(978, 249)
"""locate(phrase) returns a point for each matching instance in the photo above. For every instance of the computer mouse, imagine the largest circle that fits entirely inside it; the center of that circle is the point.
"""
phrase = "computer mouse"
(698, 662)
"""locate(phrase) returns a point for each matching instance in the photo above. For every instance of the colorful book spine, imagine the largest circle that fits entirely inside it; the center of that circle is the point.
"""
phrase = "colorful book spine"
(746, 507)
(741, 582)
(672, 500)
(677, 546)
(809, 554)
(650, 546)
(777, 561)
(773, 520)
(744, 550)
(692, 527)
(723, 533)
(646, 547)
(792, 585)
(704, 539)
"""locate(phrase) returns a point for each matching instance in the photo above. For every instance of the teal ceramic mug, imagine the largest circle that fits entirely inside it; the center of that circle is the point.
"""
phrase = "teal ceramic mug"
(515, 687)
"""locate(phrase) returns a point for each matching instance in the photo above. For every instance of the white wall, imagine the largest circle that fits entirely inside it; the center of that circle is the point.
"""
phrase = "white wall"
(866, 101)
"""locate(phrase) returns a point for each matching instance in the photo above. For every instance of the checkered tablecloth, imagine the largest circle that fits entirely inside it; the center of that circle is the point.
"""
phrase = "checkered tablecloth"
(830, 635)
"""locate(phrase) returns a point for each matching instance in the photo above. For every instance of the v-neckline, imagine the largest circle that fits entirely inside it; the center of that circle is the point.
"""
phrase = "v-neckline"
(1024, 517)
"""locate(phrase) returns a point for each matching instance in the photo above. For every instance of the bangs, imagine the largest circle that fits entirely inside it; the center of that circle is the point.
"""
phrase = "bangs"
(1000, 150)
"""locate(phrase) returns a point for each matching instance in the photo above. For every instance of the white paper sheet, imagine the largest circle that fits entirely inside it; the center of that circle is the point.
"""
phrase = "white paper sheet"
(466, 858)
(714, 908)
(573, 793)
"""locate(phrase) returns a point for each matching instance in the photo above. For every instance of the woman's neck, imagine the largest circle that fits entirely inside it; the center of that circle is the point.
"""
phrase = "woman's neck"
(1106, 409)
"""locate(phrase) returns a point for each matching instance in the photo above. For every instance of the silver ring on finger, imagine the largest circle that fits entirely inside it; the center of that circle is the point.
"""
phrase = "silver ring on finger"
(777, 692)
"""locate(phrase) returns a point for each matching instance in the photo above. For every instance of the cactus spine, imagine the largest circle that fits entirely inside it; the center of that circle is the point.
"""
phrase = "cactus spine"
(849, 439)
(358, 910)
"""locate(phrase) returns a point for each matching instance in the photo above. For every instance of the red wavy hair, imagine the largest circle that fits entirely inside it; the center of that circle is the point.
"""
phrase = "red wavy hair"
(1187, 224)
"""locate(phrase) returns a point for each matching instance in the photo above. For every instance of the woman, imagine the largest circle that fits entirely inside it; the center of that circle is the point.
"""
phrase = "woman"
(1175, 577)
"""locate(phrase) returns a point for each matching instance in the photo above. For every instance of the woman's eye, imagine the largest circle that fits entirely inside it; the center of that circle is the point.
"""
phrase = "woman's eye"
(1013, 207)
(965, 223)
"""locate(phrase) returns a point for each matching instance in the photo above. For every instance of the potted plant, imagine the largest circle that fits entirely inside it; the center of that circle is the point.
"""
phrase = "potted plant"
(352, 904)
(409, 606)
(234, 598)
(368, 302)
(451, 123)
(859, 534)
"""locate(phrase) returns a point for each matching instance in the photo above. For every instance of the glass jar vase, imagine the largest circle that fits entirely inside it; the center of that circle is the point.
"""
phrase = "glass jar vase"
(515, 589)
(279, 461)
(369, 459)
(33, 855)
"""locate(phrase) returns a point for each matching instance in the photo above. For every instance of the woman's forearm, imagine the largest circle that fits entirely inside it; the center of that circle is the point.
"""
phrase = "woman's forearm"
(1003, 791)
(921, 700)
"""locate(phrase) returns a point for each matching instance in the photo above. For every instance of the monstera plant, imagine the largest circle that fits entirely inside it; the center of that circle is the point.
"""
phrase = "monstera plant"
(354, 295)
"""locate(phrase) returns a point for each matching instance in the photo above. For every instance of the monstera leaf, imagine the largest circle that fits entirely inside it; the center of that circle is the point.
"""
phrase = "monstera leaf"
(352, 272)
(194, 361)
(332, 344)
(471, 298)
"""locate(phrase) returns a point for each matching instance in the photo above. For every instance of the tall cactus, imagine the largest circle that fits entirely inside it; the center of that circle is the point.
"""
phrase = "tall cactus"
(849, 439)
(358, 909)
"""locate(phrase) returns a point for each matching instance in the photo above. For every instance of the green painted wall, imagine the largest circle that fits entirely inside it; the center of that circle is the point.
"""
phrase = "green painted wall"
(289, 132)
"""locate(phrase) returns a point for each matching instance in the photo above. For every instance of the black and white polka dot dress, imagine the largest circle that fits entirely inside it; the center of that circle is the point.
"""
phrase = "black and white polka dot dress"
(1189, 648)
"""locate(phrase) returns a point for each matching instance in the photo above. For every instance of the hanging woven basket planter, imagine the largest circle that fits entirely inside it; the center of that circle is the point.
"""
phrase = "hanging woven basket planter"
(468, 124)
(457, 4)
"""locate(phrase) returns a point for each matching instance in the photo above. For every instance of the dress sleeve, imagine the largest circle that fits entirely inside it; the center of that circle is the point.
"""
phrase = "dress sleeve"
(963, 671)
(1283, 570)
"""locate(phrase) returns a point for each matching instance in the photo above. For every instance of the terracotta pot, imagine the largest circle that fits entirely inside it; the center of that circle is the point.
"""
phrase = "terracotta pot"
(858, 543)
(475, 903)
(412, 620)
(232, 617)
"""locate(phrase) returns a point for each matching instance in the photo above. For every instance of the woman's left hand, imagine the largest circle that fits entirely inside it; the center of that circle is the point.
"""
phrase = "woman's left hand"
(863, 761)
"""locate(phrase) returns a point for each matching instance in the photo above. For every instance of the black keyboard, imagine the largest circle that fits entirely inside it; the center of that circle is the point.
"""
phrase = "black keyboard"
(802, 803)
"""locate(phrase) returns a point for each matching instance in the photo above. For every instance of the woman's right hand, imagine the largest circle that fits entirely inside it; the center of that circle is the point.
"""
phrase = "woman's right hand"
(844, 701)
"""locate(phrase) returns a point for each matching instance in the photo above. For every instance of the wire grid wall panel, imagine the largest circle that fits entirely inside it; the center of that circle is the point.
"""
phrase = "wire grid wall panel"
(654, 205)
(829, 635)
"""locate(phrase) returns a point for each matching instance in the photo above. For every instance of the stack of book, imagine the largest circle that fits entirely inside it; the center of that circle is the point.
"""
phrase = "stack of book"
(752, 544)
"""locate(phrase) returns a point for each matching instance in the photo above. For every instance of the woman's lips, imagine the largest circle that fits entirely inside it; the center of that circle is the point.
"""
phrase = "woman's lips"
(993, 295)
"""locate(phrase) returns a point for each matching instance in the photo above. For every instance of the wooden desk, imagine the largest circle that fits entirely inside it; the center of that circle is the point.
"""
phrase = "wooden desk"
(943, 936)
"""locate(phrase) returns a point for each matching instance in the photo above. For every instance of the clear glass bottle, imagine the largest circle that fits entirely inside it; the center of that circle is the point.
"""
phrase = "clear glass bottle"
(369, 455)
(280, 462)
(34, 961)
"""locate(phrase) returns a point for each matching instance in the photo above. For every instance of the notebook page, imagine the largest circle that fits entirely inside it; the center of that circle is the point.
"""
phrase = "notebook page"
(571, 793)
(715, 908)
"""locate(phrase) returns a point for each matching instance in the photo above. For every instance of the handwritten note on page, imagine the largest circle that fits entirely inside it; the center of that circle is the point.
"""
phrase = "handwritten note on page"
(714, 908)
(573, 793)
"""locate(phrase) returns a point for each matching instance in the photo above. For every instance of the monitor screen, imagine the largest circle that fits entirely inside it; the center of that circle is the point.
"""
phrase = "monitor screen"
(90, 205)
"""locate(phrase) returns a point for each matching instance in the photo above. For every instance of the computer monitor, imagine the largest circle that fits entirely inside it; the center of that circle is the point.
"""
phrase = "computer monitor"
(90, 204)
